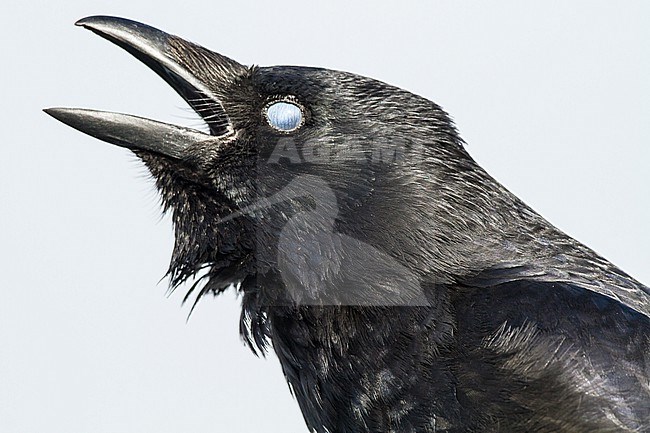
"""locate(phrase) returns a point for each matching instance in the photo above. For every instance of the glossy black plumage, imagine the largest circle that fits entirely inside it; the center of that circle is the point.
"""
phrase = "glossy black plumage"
(402, 288)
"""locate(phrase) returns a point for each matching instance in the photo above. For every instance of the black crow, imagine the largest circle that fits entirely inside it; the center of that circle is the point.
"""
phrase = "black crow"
(402, 288)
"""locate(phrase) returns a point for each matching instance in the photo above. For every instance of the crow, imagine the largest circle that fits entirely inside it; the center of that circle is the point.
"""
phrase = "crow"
(402, 288)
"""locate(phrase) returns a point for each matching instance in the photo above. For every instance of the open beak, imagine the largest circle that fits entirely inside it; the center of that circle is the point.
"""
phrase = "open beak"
(194, 72)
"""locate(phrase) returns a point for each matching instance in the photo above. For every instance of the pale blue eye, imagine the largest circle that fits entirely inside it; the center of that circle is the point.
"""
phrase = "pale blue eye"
(284, 116)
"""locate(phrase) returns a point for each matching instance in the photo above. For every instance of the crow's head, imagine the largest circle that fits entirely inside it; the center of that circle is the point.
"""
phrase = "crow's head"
(327, 198)
(307, 176)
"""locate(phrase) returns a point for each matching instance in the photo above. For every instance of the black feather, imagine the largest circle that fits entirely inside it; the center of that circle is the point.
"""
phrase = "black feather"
(402, 288)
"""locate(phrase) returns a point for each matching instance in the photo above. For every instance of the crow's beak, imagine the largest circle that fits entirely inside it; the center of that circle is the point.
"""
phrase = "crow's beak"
(182, 65)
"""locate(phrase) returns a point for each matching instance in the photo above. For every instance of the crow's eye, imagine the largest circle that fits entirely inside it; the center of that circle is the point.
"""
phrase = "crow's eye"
(284, 116)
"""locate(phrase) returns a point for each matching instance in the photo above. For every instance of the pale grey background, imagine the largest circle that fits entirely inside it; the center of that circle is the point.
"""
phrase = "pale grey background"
(553, 99)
